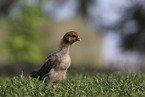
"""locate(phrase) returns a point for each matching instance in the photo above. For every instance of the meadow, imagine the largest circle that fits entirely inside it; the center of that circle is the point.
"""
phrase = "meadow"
(76, 85)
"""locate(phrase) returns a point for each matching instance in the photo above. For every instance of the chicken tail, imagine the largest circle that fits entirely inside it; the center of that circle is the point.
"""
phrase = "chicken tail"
(35, 74)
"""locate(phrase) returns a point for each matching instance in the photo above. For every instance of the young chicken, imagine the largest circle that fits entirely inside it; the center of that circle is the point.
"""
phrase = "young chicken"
(55, 67)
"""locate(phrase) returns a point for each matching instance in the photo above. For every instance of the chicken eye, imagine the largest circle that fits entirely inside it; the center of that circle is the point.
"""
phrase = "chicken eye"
(73, 36)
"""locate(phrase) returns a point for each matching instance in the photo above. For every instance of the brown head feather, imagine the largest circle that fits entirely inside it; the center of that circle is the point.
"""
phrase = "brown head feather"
(69, 38)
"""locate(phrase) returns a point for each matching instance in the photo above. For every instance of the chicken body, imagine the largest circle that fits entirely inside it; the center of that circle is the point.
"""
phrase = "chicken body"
(58, 73)
(55, 67)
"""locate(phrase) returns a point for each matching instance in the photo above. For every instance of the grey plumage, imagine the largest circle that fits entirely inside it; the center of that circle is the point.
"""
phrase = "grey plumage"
(47, 66)
(55, 67)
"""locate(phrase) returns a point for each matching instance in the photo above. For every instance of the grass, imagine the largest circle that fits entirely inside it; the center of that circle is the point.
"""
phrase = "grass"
(77, 85)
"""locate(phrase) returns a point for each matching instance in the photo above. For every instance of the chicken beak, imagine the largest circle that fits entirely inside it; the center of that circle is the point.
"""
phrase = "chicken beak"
(78, 39)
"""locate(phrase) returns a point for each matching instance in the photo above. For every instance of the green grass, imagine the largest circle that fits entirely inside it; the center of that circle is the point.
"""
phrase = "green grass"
(77, 85)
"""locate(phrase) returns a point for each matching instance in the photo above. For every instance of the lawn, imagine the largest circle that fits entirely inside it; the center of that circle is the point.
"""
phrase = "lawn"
(76, 85)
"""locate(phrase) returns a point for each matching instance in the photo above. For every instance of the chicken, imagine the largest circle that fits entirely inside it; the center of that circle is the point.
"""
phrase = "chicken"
(55, 67)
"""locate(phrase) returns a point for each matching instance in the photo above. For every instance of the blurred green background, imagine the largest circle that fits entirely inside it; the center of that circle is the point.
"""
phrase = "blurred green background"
(30, 30)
